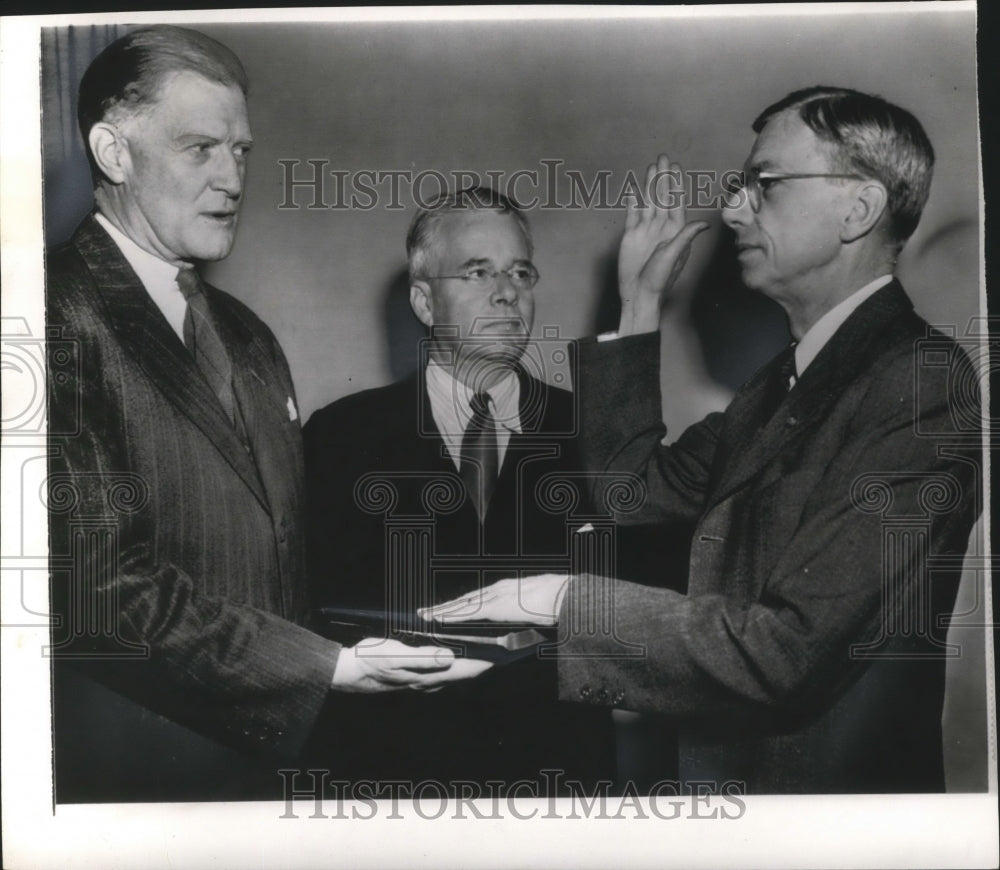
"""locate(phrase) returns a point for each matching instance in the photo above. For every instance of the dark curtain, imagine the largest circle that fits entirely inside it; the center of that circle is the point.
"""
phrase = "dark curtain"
(68, 191)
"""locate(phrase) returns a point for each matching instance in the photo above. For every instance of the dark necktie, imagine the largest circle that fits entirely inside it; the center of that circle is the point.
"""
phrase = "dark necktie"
(204, 342)
(779, 382)
(479, 455)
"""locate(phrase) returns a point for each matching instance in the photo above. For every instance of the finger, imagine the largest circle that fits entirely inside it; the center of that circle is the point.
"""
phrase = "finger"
(461, 608)
(502, 607)
(417, 658)
(649, 190)
(669, 200)
(687, 235)
(632, 214)
(470, 605)
(462, 669)
(660, 194)
(678, 248)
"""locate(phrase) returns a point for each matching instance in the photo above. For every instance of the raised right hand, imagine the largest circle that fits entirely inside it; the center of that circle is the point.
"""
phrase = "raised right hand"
(654, 247)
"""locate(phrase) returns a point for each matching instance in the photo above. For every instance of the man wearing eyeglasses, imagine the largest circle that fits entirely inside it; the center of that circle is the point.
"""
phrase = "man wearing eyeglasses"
(833, 499)
(450, 461)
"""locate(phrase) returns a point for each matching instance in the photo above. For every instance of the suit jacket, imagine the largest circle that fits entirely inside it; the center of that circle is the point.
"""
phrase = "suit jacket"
(379, 480)
(163, 519)
(808, 654)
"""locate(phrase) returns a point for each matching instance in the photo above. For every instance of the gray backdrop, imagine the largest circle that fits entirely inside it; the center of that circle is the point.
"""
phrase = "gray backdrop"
(597, 97)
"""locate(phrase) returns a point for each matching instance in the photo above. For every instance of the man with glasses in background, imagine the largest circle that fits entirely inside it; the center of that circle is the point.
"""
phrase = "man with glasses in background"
(833, 499)
(457, 451)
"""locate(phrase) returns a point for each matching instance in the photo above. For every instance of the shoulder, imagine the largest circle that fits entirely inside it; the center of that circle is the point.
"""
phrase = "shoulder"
(66, 272)
(924, 377)
(242, 314)
(370, 412)
(72, 294)
(249, 328)
(552, 407)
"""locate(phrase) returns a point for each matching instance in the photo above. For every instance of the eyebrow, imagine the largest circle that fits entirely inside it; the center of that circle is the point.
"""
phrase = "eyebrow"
(486, 261)
(189, 138)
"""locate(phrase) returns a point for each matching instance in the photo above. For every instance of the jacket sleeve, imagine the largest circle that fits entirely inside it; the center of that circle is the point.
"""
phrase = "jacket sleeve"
(788, 640)
(622, 433)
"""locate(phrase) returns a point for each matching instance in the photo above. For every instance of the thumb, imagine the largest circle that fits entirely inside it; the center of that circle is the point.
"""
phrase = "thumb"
(444, 657)
(687, 235)
(678, 247)
(429, 658)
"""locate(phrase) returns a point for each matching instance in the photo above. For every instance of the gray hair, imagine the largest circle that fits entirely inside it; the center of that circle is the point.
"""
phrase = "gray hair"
(422, 236)
(873, 137)
(127, 76)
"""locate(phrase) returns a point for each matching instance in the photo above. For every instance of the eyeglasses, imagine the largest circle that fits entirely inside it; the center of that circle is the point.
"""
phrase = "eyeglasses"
(756, 183)
(523, 276)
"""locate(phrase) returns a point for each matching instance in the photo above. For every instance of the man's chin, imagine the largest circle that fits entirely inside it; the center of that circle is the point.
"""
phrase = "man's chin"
(507, 347)
(489, 358)
(212, 242)
(752, 279)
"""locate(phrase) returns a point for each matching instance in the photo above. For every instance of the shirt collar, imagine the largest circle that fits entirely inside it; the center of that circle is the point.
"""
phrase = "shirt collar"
(451, 401)
(154, 273)
(823, 329)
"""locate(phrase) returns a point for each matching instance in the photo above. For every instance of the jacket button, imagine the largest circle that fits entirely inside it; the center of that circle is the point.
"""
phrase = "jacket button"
(602, 696)
(618, 698)
(585, 692)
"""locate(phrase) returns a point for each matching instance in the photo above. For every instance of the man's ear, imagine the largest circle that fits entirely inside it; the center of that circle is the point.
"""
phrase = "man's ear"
(110, 151)
(420, 302)
(868, 207)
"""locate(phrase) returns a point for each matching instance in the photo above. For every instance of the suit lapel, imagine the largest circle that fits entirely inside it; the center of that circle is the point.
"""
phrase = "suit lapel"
(141, 327)
(851, 350)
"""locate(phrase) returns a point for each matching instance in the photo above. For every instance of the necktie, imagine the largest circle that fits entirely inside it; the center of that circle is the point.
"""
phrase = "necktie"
(479, 457)
(204, 342)
(779, 382)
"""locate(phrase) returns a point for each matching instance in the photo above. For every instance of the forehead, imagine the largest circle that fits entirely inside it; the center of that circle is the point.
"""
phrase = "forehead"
(786, 143)
(481, 234)
(188, 100)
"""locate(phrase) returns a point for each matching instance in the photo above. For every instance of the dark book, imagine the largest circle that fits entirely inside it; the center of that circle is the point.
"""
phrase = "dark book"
(497, 642)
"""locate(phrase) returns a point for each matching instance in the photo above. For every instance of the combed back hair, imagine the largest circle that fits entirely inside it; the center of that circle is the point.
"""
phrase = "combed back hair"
(423, 233)
(125, 78)
(871, 137)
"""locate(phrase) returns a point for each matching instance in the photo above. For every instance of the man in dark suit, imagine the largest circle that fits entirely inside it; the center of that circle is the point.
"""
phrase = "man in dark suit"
(833, 498)
(443, 482)
(175, 485)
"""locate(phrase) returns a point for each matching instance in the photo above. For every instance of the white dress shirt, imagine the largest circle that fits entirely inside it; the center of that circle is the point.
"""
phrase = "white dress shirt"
(824, 328)
(452, 410)
(158, 276)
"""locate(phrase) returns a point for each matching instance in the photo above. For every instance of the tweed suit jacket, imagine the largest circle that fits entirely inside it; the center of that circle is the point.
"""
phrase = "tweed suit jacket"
(808, 654)
(505, 725)
(201, 569)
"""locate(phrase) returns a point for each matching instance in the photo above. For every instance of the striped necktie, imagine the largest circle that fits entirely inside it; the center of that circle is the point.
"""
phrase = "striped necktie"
(479, 454)
(204, 342)
(779, 382)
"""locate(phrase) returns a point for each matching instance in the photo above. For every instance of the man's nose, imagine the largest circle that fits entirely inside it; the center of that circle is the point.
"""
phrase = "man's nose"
(738, 214)
(229, 174)
(505, 291)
